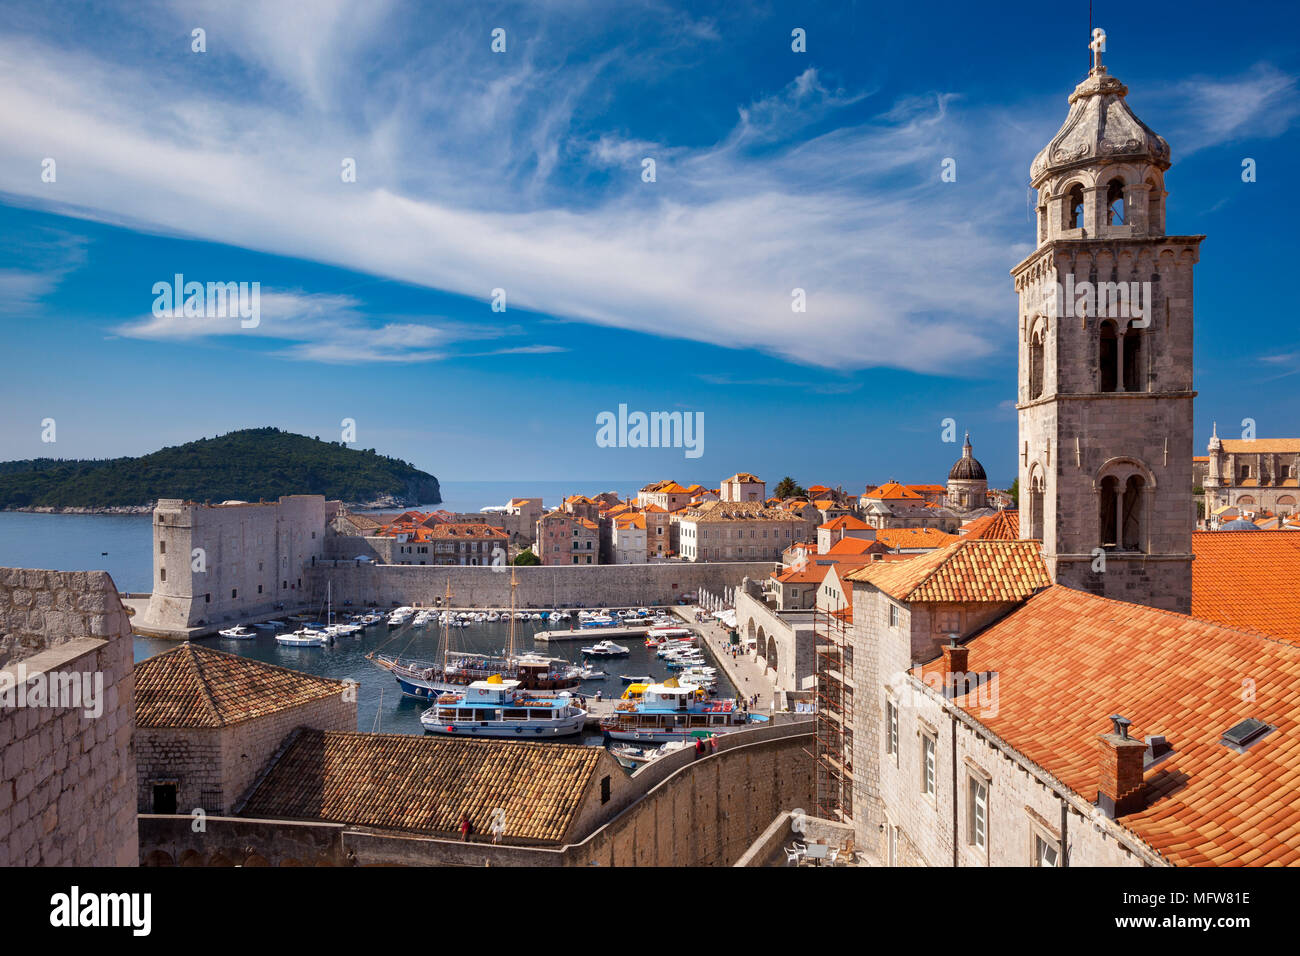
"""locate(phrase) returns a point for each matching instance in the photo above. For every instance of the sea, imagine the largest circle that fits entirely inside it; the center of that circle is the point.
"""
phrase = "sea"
(121, 545)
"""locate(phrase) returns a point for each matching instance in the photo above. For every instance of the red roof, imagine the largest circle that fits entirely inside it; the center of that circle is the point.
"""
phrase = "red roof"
(1246, 580)
(1066, 660)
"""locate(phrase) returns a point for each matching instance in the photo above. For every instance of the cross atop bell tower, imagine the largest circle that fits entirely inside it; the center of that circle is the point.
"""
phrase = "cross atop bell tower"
(1105, 345)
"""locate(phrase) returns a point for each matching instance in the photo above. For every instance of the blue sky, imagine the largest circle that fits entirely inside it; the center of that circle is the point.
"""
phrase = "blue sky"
(522, 170)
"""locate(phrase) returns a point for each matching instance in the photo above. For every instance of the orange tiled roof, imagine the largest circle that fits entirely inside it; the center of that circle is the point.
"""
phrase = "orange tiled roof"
(1261, 446)
(405, 782)
(928, 489)
(812, 573)
(844, 521)
(915, 537)
(193, 686)
(1066, 660)
(999, 525)
(963, 572)
(817, 489)
(745, 478)
(668, 486)
(1245, 580)
(891, 490)
(851, 546)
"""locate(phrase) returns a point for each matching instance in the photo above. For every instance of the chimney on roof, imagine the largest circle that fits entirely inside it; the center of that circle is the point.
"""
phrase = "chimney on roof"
(1120, 787)
(955, 660)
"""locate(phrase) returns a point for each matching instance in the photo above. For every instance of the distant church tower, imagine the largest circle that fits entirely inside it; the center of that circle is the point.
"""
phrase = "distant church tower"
(1105, 390)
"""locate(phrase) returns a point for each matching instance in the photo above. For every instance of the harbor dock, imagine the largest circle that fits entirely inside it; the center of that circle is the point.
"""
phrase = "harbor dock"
(592, 634)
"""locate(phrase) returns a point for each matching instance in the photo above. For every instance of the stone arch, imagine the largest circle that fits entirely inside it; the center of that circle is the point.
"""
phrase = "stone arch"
(191, 858)
(1073, 195)
(1123, 487)
(1287, 500)
(220, 859)
(771, 657)
(1246, 500)
(1037, 355)
(749, 629)
(1037, 491)
(158, 858)
(762, 640)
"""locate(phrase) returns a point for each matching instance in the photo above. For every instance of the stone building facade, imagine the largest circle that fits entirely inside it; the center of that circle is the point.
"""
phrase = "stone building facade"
(208, 722)
(1261, 474)
(218, 564)
(68, 791)
(1105, 356)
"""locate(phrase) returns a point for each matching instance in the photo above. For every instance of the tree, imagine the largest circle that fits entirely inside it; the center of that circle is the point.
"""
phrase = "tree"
(1014, 492)
(786, 488)
(526, 558)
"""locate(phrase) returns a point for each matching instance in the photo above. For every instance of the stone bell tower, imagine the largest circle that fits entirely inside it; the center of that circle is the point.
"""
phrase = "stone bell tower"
(1105, 355)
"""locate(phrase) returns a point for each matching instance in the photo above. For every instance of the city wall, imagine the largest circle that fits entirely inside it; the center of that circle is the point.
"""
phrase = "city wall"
(604, 585)
(68, 797)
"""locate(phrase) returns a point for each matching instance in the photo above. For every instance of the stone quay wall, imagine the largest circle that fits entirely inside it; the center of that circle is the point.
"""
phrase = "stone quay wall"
(601, 585)
(67, 795)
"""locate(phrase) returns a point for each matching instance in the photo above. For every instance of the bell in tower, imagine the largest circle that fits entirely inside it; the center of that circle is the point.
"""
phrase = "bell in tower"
(1105, 356)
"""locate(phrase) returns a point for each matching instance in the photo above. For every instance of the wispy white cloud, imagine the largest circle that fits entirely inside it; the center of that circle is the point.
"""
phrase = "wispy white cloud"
(332, 329)
(465, 164)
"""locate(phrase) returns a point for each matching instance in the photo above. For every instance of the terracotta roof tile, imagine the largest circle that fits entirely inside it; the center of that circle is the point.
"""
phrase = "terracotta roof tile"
(1066, 660)
(1001, 525)
(845, 521)
(195, 686)
(915, 537)
(404, 782)
(963, 572)
(1245, 580)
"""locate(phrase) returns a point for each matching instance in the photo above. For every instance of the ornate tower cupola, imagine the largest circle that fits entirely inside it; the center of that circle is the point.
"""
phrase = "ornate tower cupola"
(1102, 174)
(1105, 349)
(968, 486)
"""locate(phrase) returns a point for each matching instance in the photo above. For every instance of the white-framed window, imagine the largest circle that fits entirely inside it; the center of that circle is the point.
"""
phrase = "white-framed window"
(928, 766)
(891, 722)
(1046, 852)
(893, 615)
(978, 814)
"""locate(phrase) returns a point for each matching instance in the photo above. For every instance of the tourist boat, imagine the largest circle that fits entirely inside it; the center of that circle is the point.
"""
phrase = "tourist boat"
(660, 632)
(606, 649)
(400, 616)
(499, 708)
(632, 757)
(306, 637)
(635, 678)
(599, 620)
(238, 633)
(591, 673)
(672, 711)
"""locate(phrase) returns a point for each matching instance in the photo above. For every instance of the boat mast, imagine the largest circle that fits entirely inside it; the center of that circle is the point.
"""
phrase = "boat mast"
(510, 655)
(446, 627)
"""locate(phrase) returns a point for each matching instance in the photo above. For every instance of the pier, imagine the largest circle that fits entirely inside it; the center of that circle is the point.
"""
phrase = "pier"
(592, 634)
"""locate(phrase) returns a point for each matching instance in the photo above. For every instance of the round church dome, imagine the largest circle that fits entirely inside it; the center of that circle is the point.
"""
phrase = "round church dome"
(967, 468)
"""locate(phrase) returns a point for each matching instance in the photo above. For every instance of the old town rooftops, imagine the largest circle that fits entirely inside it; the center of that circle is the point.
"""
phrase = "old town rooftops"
(962, 572)
(1064, 661)
(736, 511)
(192, 686)
(424, 784)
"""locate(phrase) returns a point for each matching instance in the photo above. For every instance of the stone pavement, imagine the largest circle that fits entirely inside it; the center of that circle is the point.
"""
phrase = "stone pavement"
(745, 673)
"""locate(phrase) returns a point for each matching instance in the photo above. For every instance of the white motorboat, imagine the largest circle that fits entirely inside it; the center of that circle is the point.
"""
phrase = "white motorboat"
(606, 649)
(269, 625)
(305, 637)
(499, 708)
(592, 673)
(493, 617)
(635, 678)
(422, 619)
(238, 633)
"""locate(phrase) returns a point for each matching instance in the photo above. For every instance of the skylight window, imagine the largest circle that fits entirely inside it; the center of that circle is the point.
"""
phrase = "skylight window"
(1241, 737)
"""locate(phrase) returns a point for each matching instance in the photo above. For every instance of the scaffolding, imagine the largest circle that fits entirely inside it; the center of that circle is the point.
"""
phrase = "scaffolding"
(833, 758)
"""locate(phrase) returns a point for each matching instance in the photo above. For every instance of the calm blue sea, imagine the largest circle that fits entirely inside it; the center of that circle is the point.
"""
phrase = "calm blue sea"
(120, 544)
